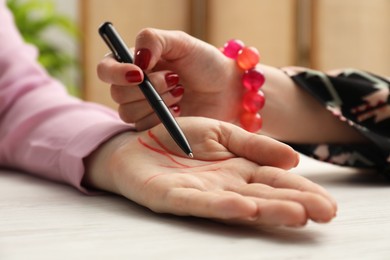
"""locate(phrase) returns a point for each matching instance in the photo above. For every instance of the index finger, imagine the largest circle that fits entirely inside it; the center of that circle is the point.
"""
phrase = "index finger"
(113, 72)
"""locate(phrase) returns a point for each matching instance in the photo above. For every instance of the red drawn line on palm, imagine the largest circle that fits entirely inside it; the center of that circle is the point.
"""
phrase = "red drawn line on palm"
(163, 150)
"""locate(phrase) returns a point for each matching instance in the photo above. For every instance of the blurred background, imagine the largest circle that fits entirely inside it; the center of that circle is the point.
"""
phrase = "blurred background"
(320, 34)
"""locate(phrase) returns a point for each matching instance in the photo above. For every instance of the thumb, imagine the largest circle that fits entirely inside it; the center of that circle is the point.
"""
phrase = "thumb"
(261, 149)
(153, 45)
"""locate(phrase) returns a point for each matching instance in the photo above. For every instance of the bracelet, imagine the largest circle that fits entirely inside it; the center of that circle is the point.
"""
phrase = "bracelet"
(253, 79)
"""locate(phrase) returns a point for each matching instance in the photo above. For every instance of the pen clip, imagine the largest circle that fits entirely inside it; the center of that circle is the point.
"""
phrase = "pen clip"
(115, 43)
(113, 50)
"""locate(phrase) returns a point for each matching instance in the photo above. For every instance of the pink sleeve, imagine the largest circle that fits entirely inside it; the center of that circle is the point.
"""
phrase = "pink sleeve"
(43, 130)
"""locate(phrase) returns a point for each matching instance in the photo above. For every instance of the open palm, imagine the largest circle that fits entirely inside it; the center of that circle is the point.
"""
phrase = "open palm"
(235, 177)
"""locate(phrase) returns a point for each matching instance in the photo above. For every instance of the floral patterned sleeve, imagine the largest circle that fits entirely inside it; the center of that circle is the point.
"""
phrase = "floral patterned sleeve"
(360, 99)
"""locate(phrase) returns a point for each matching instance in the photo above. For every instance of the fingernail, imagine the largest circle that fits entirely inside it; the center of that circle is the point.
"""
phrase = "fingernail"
(171, 79)
(297, 159)
(320, 221)
(142, 58)
(175, 108)
(133, 76)
(177, 91)
(299, 225)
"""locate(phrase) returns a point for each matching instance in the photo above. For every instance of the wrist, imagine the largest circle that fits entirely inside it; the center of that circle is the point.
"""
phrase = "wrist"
(98, 165)
(252, 79)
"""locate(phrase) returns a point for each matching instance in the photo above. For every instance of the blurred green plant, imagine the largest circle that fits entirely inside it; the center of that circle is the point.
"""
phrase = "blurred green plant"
(34, 18)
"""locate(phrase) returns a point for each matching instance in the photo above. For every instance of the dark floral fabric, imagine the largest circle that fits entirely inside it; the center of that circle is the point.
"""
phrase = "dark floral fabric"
(361, 99)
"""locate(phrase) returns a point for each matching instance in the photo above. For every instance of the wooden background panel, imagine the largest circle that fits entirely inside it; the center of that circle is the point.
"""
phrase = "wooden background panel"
(351, 33)
(268, 25)
(348, 33)
(129, 17)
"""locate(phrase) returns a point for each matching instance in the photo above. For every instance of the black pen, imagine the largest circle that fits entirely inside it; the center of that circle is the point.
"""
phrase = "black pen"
(121, 53)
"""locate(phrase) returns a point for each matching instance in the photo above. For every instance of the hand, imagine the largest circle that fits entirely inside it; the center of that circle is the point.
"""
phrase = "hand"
(235, 176)
(212, 88)
(211, 82)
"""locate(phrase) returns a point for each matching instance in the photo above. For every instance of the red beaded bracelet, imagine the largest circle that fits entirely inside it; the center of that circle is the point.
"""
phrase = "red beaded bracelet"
(253, 79)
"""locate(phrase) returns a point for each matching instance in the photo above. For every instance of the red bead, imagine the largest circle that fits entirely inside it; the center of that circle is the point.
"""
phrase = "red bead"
(253, 79)
(247, 58)
(232, 48)
(253, 101)
(251, 122)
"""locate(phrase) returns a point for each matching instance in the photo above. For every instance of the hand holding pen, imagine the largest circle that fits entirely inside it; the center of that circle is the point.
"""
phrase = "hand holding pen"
(121, 53)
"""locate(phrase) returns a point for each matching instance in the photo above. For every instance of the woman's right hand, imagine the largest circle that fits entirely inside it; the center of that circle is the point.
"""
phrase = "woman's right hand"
(194, 78)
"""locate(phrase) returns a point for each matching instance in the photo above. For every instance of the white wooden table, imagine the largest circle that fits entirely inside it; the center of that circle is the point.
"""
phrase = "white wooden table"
(43, 220)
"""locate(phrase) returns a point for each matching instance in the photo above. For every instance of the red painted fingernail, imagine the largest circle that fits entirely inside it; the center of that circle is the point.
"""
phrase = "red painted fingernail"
(175, 108)
(133, 76)
(177, 91)
(142, 58)
(172, 79)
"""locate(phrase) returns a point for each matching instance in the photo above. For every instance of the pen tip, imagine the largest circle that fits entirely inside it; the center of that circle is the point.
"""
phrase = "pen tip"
(191, 155)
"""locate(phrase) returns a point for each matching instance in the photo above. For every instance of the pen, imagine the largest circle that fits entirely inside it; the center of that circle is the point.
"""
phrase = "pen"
(121, 53)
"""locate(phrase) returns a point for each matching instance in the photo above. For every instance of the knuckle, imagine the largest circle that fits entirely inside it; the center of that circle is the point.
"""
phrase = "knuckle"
(145, 34)
(117, 94)
(125, 115)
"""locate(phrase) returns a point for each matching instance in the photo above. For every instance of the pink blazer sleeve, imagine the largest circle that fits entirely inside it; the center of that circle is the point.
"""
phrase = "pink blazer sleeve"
(43, 130)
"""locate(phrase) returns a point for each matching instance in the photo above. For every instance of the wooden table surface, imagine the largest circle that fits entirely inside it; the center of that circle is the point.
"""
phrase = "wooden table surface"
(44, 220)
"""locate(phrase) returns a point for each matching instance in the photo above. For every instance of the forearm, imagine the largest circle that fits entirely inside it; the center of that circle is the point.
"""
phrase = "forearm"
(293, 115)
(340, 117)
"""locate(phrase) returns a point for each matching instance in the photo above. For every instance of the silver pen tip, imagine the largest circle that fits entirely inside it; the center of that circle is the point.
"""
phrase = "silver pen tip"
(191, 155)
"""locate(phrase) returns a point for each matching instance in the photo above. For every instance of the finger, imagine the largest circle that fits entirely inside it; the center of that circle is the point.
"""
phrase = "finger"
(147, 122)
(193, 202)
(162, 81)
(142, 114)
(126, 94)
(318, 208)
(231, 206)
(279, 213)
(134, 111)
(260, 149)
(137, 110)
(280, 179)
(113, 72)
